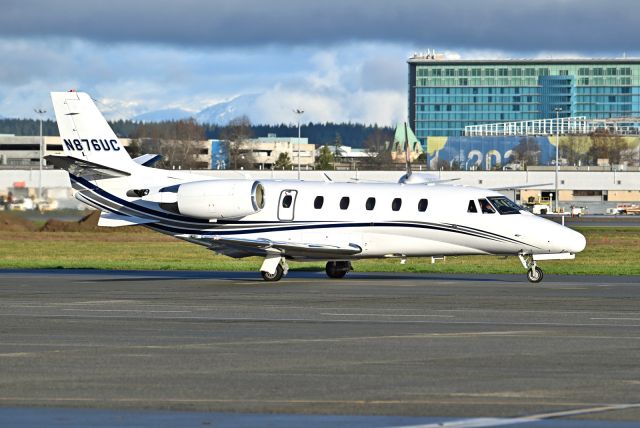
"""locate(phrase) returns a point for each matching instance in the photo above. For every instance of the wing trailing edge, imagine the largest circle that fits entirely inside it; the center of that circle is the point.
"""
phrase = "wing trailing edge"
(223, 244)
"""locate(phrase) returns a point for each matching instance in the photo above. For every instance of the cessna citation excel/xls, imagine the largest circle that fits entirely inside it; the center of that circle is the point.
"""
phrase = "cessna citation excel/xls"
(296, 220)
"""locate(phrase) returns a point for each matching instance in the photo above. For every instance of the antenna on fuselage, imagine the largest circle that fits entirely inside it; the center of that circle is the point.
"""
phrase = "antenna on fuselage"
(406, 151)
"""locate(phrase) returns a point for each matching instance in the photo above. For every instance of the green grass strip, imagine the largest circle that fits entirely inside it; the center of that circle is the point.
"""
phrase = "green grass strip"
(610, 251)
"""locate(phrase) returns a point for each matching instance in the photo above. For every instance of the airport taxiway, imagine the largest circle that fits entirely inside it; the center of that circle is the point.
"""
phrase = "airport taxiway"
(450, 346)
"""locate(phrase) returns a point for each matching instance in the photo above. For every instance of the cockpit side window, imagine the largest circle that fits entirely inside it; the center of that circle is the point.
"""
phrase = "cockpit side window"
(504, 205)
(486, 207)
(472, 207)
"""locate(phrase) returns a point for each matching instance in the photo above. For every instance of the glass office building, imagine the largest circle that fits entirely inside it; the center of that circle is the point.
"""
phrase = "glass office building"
(446, 95)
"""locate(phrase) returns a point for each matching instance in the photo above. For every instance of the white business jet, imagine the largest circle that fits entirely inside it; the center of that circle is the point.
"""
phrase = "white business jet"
(297, 220)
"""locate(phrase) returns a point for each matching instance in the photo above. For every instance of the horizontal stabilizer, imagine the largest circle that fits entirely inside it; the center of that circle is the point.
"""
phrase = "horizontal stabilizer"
(83, 168)
(117, 220)
(147, 160)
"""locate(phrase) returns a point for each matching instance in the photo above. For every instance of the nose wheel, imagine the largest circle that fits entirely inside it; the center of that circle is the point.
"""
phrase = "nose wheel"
(534, 273)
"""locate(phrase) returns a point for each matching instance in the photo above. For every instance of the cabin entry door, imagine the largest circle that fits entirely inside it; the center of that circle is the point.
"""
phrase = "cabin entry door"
(286, 205)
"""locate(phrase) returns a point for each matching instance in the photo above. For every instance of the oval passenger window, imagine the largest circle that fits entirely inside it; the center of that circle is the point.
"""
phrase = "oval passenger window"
(370, 204)
(344, 203)
(396, 204)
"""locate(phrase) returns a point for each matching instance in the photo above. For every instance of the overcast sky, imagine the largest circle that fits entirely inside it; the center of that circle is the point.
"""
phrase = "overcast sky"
(341, 60)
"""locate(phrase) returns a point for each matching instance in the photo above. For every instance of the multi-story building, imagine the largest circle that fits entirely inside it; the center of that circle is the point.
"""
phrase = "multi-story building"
(447, 95)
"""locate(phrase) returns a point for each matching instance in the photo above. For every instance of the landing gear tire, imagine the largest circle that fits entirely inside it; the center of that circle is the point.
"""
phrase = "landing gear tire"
(337, 270)
(534, 274)
(277, 276)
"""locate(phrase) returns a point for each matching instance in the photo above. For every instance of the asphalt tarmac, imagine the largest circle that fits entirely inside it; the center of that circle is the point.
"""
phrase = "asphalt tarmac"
(227, 349)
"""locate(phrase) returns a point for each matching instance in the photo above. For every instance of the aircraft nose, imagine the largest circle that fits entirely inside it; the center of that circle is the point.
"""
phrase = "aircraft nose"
(574, 241)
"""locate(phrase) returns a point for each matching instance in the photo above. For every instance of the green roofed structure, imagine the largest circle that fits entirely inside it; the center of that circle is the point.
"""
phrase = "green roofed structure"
(404, 135)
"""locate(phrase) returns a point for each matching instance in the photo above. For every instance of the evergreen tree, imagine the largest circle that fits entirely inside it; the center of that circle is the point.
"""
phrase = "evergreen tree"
(325, 158)
(283, 162)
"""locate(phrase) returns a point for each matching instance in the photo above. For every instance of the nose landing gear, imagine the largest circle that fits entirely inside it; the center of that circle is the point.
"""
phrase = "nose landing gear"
(534, 273)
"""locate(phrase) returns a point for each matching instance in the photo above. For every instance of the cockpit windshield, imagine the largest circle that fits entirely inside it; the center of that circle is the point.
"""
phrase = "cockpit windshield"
(504, 205)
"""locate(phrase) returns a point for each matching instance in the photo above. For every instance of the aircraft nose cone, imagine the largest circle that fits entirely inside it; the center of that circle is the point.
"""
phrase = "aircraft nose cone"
(575, 241)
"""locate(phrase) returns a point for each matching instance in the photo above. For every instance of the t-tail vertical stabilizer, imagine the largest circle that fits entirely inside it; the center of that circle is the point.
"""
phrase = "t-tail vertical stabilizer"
(85, 134)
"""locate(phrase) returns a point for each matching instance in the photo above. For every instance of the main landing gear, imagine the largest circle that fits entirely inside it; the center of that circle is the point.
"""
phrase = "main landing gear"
(534, 273)
(276, 276)
(274, 268)
(338, 269)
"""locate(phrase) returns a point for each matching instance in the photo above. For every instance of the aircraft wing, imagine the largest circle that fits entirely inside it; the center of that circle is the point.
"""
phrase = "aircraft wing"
(239, 247)
(83, 168)
(523, 186)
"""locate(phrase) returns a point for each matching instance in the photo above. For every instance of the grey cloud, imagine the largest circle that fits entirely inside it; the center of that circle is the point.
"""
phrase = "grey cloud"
(513, 25)
(384, 74)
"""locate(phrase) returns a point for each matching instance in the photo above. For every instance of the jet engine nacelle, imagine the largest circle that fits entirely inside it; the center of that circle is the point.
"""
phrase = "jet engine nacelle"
(217, 199)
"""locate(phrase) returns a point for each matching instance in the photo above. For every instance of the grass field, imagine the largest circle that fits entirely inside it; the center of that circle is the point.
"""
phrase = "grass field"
(610, 251)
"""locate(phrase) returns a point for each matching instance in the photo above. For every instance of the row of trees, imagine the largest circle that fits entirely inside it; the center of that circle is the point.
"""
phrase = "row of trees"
(179, 143)
(598, 148)
(581, 150)
(353, 134)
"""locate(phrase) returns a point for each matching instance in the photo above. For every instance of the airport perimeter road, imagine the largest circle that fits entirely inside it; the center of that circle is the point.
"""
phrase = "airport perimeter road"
(422, 345)
(597, 220)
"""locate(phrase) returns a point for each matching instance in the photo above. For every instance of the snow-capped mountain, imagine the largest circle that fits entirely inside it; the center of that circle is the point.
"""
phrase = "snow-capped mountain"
(222, 113)
(165, 114)
(216, 114)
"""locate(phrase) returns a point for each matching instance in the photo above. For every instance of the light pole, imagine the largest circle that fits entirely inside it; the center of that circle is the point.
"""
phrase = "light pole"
(40, 112)
(557, 110)
(299, 112)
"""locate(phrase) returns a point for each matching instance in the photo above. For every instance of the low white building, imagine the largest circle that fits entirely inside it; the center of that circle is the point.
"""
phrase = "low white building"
(264, 151)
(24, 151)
